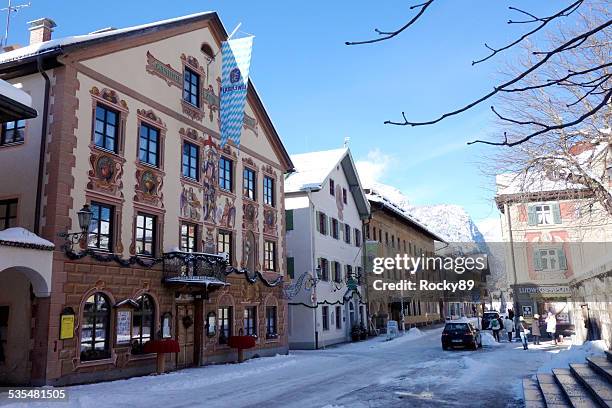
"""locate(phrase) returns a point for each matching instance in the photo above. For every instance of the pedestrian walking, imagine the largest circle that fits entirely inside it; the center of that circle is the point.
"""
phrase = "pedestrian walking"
(509, 325)
(551, 326)
(523, 332)
(535, 329)
(495, 328)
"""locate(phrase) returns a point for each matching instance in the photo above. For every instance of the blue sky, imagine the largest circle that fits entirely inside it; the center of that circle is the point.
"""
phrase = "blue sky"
(318, 91)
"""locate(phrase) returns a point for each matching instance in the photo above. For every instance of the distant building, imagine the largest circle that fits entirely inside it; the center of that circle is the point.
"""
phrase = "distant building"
(325, 207)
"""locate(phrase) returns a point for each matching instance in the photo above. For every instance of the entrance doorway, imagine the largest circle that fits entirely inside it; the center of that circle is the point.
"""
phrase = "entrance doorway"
(185, 329)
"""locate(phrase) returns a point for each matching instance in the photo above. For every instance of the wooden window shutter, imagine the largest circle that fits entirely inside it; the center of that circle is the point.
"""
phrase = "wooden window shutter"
(562, 259)
(289, 219)
(532, 218)
(556, 210)
(291, 267)
(537, 260)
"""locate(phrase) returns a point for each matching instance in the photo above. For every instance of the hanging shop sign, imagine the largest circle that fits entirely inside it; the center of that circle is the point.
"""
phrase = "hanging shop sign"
(67, 323)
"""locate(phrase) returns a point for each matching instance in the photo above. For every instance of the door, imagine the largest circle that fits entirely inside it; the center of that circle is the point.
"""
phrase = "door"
(185, 335)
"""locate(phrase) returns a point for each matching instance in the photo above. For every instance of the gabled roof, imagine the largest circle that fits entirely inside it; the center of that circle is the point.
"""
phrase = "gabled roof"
(386, 204)
(313, 169)
(23, 61)
(70, 42)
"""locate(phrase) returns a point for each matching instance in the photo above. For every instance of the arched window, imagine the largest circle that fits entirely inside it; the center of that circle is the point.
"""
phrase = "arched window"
(95, 328)
(208, 51)
(143, 323)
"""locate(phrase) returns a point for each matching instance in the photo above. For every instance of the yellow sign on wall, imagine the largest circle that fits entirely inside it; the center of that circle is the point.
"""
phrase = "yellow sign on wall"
(66, 326)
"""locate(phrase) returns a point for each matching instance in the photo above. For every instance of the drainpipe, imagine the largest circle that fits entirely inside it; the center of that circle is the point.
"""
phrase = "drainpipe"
(43, 145)
(314, 260)
(515, 290)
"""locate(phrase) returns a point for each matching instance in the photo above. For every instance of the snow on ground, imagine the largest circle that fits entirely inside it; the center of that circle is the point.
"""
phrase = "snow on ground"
(488, 340)
(411, 370)
(574, 354)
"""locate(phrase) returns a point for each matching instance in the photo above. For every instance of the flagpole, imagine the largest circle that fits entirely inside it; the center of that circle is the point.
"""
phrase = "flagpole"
(233, 32)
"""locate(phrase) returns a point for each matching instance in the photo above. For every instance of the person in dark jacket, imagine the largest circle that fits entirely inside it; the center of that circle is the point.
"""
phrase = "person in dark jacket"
(535, 329)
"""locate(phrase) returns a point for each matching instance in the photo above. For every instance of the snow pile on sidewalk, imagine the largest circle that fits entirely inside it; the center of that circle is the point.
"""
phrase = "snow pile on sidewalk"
(488, 339)
(574, 354)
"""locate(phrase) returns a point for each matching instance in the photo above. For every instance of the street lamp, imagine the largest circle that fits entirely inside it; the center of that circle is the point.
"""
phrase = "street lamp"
(85, 215)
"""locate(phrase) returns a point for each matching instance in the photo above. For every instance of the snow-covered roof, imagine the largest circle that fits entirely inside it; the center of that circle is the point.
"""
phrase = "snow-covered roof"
(312, 170)
(587, 157)
(21, 237)
(14, 93)
(376, 196)
(48, 46)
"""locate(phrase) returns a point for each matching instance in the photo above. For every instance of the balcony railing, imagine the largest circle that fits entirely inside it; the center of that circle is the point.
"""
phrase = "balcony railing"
(194, 268)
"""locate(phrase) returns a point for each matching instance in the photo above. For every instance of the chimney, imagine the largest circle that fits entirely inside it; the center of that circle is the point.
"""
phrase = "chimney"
(40, 30)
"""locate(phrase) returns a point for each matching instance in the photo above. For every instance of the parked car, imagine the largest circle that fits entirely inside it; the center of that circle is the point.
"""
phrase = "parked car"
(461, 335)
(487, 317)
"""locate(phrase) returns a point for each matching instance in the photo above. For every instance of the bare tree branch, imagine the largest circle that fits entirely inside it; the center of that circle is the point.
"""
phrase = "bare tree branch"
(390, 34)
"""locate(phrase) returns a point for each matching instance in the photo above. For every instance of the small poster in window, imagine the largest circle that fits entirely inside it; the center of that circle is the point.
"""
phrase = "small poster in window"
(527, 311)
(124, 324)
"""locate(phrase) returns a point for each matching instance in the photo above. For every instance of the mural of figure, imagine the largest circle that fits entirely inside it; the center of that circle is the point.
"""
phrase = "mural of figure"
(250, 251)
(190, 205)
(228, 217)
(209, 179)
(339, 202)
(209, 242)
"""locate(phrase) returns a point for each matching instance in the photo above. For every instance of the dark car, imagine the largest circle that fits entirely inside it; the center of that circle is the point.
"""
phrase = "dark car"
(487, 317)
(461, 335)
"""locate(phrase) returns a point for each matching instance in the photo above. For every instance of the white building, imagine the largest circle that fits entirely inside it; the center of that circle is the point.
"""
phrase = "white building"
(325, 207)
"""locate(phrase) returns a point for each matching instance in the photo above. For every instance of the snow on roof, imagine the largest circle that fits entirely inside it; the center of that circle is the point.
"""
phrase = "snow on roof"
(14, 93)
(311, 169)
(377, 196)
(588, 156)
(18, 236)
(48, 46)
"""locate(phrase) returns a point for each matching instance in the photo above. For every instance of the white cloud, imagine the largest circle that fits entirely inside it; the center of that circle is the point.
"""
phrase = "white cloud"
(373, 168)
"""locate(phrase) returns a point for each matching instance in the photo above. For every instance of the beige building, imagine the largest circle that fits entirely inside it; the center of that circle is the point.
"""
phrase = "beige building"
(390, 231)
(129, 125)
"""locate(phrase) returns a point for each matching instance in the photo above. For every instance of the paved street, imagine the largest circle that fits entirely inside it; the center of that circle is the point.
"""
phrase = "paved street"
(408, 371)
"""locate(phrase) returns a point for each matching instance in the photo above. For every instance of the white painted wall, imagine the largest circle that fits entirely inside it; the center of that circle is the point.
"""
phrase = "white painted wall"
(306, 245)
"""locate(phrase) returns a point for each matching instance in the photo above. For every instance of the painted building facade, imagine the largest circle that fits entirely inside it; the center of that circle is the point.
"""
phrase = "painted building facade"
(325, 206)
(129, 125)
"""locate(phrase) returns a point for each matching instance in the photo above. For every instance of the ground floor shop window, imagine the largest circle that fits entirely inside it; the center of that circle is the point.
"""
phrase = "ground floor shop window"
(95, 328)
(225, 323)
(271, 324)
(143, 323)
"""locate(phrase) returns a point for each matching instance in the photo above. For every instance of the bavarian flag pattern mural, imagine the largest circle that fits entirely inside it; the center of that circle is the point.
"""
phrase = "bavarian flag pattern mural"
(236, 55)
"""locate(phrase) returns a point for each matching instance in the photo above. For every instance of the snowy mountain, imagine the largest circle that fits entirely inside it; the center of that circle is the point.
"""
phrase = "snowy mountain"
(451, 222)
